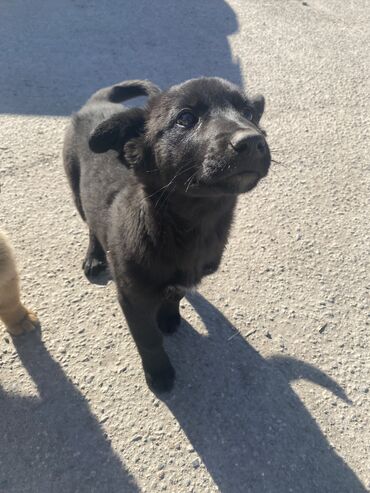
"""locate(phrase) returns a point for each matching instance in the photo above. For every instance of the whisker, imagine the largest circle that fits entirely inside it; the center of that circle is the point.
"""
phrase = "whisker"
(174, 185)
(165, 187)
(169, 183)
(166, 197)
(160, 197)
(186, 181)
(278, 162)
(189, 181)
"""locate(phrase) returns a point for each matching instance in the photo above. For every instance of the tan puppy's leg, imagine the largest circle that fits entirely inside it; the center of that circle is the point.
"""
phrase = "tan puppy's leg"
(16, 317)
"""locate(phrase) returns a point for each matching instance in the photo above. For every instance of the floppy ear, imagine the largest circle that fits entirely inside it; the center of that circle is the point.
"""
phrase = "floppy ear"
(134, 151)
(259, 105)
(117, 130)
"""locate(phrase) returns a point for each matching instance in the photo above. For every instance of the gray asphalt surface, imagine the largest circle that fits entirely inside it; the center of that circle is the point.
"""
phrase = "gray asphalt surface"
(273, 371)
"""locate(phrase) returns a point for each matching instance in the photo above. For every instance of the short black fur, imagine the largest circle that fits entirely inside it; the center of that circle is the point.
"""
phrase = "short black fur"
(158, 189)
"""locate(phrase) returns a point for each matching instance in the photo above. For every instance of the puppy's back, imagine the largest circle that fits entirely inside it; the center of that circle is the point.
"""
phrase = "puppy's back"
(107, 101)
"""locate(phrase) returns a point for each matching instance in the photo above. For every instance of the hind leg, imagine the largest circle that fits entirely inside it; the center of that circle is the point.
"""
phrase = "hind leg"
(168, 315)
(73, 172)
(95, 261)
(16, 317)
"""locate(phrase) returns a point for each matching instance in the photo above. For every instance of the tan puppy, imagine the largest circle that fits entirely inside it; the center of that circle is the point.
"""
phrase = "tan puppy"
(16, 317)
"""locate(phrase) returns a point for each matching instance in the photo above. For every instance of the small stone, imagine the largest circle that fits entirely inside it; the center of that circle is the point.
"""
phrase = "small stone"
(322, 328)
(136, 438)
(268, 335)
(196, 463)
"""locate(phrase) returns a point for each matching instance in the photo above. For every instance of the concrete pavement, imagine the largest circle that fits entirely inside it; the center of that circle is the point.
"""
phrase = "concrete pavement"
(287, 315)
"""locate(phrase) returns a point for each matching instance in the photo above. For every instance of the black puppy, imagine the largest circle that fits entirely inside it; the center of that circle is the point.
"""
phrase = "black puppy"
(159, 202)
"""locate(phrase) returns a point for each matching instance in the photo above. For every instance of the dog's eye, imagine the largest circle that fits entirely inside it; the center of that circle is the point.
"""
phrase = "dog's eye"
(186, 119)
(248, 114)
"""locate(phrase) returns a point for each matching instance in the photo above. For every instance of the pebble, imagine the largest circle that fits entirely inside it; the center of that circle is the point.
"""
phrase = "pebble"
(322, 328)
(136, 438)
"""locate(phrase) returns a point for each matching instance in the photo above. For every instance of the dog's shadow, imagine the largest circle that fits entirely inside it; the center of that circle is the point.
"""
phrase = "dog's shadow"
(249, 427)
(53, 443)
(56, 54)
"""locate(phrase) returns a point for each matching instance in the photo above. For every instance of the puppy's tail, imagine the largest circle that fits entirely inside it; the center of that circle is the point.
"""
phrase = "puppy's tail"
(125, 90)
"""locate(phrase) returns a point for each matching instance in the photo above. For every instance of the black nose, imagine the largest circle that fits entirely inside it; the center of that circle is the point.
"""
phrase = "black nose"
(247, 142)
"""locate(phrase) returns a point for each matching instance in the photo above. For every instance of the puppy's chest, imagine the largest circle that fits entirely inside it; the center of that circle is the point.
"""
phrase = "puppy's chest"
(194, 259)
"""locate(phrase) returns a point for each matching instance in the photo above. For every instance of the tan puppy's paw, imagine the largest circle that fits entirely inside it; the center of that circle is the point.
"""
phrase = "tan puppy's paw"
(28, 323)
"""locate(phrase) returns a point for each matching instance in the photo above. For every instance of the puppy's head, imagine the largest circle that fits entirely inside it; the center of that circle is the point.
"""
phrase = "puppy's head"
(202, 136)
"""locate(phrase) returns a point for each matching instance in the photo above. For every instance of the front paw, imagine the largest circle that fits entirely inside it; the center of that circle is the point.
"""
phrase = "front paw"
(28, 323)
(168, 324)
(161, 381)
(93, 267)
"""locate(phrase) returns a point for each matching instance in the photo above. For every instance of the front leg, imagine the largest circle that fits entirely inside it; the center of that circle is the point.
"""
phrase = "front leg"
(168, 316)
(140, 312)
